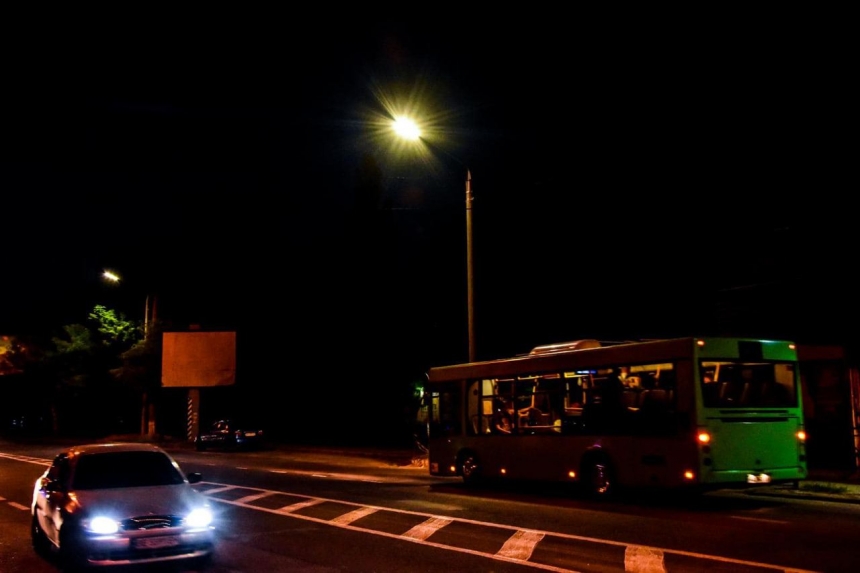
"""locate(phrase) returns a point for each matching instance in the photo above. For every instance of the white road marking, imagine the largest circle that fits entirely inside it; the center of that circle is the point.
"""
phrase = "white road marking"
(19, 506)
(353, 515)
(424, 530)
(300, 505)
(638, 559)
(254, 497)
(521, 544)
(347, 477)
(759, 519)
(27, 459)
(220, 489)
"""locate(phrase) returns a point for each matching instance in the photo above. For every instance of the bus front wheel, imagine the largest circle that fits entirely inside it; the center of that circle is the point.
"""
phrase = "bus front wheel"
(598, 481)
(470, 469)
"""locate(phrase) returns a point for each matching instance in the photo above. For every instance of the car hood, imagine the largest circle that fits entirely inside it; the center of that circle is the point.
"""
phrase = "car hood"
(135, 501)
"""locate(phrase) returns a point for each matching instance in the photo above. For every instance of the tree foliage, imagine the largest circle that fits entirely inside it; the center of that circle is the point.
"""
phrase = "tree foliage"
(114, 330)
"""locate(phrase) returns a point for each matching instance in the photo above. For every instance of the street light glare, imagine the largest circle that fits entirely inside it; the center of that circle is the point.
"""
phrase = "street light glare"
(406, 128)
(113, 277)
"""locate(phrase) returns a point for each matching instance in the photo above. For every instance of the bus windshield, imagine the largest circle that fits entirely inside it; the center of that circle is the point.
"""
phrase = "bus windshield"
(733, 384)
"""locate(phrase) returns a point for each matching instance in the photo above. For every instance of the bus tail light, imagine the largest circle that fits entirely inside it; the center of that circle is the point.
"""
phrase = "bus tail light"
(689, 475)
(704, 438)
(571, 474)
(801, 435)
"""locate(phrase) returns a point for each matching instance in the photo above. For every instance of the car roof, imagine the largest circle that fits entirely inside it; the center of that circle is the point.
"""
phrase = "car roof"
(100, 448)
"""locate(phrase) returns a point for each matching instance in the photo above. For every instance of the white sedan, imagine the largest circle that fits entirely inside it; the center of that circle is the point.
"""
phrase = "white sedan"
(120, 504)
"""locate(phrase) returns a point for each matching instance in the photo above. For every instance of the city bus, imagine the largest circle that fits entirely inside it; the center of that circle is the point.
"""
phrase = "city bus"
(692, 413)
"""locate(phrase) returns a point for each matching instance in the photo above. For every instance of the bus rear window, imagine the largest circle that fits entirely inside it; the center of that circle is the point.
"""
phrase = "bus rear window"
(730, 384)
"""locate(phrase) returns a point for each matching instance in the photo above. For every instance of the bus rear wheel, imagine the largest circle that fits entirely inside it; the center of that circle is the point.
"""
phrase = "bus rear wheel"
(598, 481)
(470, 468)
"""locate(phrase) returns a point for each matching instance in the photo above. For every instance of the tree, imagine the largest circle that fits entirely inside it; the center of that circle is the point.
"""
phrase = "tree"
(140, 370)
(12, 355)
(84, 359)
(114, 329)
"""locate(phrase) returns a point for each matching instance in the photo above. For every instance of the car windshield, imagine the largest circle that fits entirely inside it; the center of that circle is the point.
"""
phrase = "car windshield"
(125, 469)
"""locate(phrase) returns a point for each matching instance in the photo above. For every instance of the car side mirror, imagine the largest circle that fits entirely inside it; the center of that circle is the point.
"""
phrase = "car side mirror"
(194, 477)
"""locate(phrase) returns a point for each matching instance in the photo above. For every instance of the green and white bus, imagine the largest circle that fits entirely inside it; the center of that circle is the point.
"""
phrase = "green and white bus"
(694, 413)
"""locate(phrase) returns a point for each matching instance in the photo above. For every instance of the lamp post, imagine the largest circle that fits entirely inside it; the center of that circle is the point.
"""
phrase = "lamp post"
(408, 129)
(470, 293)
(147, 310)
(147, 412)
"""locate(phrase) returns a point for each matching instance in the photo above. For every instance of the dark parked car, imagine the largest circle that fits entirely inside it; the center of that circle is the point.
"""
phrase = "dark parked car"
(120, 504)
(28, 424)
(231, 434)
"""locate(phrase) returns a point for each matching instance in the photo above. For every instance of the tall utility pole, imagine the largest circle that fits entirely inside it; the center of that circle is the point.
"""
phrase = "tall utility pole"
(149, 314)
(470, 296)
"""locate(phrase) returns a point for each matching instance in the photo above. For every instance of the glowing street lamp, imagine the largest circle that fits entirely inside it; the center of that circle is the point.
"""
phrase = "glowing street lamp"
(115, 278)
(406, 128)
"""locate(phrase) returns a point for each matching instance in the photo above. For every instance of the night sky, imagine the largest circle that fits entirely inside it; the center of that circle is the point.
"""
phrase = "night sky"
(627, 185)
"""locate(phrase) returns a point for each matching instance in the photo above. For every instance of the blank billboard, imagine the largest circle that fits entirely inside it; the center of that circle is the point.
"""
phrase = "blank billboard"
(198, 359)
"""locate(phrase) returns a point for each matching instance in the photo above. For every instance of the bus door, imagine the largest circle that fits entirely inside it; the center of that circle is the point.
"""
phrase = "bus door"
(489, 424)
(539, 452)
(659, 423)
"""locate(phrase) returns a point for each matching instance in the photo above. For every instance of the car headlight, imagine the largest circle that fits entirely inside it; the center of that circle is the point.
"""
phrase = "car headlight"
(200, 517)
(102, 525)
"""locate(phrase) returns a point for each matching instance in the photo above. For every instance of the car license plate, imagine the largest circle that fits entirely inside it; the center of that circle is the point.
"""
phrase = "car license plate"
(156, 542)
(761, 478)
(250, 434)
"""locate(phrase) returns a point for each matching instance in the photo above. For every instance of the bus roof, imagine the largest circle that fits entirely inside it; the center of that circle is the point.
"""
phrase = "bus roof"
(590, 355)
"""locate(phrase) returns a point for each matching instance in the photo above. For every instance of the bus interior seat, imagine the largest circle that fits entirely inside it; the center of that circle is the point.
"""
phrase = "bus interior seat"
(657, 398)
(533, 417)
(630, 398)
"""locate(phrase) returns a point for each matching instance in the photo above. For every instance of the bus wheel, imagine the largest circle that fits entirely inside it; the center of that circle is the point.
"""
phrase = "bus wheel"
(470, 469)
(598, 480)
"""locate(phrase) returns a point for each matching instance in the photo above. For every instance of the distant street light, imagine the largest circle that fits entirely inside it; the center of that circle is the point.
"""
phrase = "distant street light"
(115, 278)
(408, 129)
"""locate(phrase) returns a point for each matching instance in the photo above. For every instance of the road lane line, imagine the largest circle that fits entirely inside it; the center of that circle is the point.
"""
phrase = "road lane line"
(19, 506)
(220, 489)
(27, 459)
(781, 522)
(638, 559)
(521, 545)
(300, 505)
(424, 530)
(340, 476)
(351, 516)
(254, 497)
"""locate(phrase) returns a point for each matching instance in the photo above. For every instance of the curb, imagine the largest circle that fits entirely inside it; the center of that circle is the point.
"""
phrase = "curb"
(851, 493)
